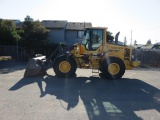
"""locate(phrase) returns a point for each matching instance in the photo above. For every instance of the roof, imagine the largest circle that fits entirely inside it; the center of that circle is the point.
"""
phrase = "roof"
(96, 28)
(54, 23)
(77, 25)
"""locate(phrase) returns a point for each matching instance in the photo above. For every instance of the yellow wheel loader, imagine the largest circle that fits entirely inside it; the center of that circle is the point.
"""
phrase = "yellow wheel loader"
(96, 53)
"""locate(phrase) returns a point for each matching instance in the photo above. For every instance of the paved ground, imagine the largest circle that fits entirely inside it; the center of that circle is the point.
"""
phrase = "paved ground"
(135, 97)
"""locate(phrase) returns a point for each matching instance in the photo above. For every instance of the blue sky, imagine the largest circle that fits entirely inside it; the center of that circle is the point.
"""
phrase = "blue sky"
(140, 16)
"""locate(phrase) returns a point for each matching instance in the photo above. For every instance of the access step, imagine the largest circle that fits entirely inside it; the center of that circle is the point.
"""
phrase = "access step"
(95, 70)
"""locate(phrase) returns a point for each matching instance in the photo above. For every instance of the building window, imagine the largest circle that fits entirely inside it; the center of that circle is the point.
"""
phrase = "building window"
(80, 34)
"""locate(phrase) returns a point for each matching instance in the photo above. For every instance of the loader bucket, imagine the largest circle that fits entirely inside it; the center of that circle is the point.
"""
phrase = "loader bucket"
(35, 67)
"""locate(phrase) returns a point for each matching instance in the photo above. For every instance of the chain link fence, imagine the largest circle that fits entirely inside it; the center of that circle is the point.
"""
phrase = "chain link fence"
(148, 57)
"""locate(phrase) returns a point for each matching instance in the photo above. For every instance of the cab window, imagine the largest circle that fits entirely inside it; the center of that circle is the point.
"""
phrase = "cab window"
(97, 38)
(93, 39)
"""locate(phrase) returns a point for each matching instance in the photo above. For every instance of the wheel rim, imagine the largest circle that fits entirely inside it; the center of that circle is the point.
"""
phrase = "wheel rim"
(64, 66)
(113, 68)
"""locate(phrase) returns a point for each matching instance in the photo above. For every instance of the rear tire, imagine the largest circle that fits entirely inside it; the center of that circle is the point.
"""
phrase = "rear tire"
(65, 66)
(113, 68)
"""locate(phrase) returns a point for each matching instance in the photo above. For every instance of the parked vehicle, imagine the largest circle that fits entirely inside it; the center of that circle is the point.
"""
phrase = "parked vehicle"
(111, 59)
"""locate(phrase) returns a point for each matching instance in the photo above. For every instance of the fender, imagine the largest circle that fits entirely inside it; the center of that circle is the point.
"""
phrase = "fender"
(106, 55)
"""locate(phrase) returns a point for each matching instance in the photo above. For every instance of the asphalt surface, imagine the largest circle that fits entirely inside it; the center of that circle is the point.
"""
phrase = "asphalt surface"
(87, 97)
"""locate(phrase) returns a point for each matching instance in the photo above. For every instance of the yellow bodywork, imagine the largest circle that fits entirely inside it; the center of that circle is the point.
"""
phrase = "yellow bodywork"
(95, 57)
(104, 51)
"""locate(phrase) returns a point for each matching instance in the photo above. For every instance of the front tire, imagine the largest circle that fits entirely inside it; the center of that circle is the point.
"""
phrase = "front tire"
(113, 68)
(65, 66)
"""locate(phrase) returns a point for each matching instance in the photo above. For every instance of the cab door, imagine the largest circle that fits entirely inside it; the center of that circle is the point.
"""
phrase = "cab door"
(92, 42)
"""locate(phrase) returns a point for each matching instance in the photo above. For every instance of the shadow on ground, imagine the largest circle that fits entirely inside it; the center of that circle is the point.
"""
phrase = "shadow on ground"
(103, 99)
(8, 66)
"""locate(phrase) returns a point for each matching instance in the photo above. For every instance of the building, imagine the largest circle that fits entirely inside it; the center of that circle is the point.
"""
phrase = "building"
(75, 31)
(63, 31)
(57, 30)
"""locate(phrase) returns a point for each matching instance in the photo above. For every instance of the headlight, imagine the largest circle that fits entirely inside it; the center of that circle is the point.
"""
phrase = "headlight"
(134, 55)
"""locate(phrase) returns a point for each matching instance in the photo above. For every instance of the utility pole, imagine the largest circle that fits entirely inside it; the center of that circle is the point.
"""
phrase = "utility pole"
(131, 38)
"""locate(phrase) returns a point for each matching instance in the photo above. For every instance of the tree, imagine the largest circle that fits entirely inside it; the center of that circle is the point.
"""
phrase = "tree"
(28, 19)
(34, 36)
(149, 42)
(9, 34)
(109, 37)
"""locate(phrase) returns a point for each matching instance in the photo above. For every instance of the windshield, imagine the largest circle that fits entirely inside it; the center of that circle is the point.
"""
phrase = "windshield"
(92, 39)
(86, 38)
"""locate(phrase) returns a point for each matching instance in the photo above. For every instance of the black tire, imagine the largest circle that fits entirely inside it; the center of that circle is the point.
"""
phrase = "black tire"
(63, 72)
(113, 68)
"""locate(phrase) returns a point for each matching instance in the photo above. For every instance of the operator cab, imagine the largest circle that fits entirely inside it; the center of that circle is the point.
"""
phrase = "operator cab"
(93, 38)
